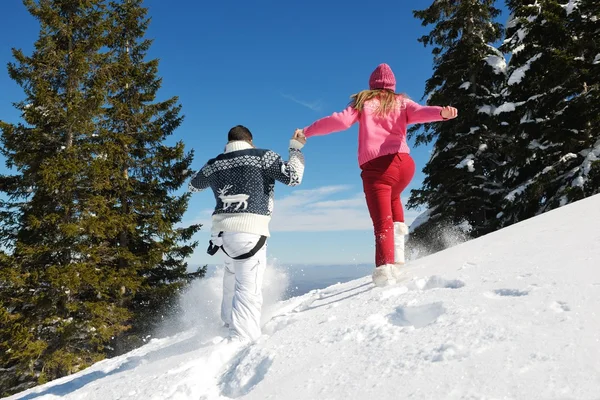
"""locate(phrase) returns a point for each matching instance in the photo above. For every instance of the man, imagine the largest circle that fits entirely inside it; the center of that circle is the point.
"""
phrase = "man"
(243, 182)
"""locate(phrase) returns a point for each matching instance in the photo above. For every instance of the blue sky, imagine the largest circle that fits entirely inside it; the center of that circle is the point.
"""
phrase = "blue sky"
(273, 66)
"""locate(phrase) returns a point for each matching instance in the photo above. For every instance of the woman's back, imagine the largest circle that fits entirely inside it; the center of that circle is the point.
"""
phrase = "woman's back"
(383, 117)
(382, 130)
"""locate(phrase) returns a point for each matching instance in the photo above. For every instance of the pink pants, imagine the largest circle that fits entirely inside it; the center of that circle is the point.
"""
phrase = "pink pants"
(384, 179)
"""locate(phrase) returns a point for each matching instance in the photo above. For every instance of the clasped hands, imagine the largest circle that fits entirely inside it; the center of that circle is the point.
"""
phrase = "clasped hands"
(299, 136)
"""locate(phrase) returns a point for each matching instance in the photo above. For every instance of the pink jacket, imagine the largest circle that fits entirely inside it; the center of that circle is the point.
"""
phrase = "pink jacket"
(377, 135)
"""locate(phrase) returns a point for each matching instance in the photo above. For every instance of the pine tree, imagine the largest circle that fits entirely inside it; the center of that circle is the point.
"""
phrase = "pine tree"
(460, 184)
(54, 297)
(581, 112)
(552, 110)
(89, 224)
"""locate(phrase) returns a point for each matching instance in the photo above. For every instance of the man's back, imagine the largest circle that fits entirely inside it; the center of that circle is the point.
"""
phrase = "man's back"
(243, 180)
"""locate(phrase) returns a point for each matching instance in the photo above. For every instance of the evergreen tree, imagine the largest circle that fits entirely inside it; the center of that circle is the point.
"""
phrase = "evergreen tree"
(89, 223)
(460, 184)
(552, 112)
(56, 299)
(581, 111)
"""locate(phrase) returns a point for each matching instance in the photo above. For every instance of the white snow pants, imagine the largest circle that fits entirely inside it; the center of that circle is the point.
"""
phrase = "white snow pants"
(242, 285)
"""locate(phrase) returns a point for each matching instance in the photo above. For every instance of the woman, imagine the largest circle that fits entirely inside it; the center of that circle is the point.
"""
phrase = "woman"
(383, 156)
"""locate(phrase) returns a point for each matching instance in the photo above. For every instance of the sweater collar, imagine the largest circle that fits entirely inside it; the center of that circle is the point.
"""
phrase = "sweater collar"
(237, 145)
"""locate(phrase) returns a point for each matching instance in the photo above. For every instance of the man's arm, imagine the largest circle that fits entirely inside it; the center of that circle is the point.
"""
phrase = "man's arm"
(199, 182)
(289, 173)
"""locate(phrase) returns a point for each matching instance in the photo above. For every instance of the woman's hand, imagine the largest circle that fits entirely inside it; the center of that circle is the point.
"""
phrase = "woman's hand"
(299, 136)
(449, 112)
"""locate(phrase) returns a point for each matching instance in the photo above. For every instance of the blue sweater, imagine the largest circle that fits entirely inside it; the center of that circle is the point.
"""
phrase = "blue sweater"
(243, 182)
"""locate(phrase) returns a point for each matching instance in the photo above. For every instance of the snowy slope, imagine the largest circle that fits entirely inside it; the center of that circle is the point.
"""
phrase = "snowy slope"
(512, 315)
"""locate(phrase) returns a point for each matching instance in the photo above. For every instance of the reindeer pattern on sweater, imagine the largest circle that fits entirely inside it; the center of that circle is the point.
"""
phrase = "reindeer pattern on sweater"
(243, 181)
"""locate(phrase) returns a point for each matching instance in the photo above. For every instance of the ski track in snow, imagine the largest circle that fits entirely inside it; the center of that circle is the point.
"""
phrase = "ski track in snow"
(512, 315)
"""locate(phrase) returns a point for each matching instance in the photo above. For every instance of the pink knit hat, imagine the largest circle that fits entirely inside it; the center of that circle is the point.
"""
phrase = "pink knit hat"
(382, 78)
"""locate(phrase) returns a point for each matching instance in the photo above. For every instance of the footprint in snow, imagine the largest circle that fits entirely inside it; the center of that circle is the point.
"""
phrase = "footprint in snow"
(437, 282)
(525, 276)
(246, 372)
(278, 322)
(560, 306)
(448, 352)
(468, 264)
(506, 293)
(417, 316)
(306, 304)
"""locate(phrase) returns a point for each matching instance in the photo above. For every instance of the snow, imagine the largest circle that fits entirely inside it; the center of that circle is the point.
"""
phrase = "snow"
(465, 226)
(571, 5)
(525, 119)
(511, 196)
(510, 106)
(505, 107)
(487, 109)
(535, 145)
(567, 157)
(578, 182)
(472, 130)
(421, 219)
(519, 73)
(563, 201)
(465, 85)
(512, 22)
(497, 62)
(596, 59)
(467, 162)
(518, 48)
(43, 110)
(450, 146)
(430, 95)
(511, 315)
(590, 156)
(516, 192)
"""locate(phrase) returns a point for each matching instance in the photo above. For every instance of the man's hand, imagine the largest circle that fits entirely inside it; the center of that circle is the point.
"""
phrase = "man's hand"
(299, 136)
(449, 112)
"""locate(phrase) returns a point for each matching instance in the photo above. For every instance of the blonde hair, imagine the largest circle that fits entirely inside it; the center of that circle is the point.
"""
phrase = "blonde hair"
(387, 100)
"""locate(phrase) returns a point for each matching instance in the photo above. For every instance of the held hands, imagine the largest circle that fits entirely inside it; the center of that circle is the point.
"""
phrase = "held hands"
(449, 112)
(299, 136)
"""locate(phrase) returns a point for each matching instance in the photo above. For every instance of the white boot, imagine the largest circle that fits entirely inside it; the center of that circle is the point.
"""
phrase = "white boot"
(382, 276)
(400, 231)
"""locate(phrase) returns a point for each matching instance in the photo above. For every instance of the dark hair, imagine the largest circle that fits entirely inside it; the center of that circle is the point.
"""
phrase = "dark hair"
(239, 132)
